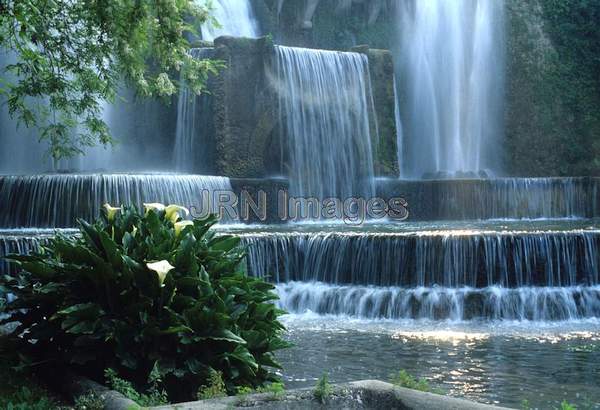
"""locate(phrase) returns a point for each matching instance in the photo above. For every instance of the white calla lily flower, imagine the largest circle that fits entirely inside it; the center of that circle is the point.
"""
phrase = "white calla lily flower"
(179, 226)
(173, 212)
(162, 268)
(154, 206)
(111, 211)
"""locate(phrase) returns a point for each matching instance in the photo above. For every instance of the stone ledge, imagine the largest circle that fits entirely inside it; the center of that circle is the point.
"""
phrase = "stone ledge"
(75, 386)
(366, 394)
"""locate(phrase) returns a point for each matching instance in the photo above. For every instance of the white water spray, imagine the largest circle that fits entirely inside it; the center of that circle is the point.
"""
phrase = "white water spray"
(451, 65)
(235, 18)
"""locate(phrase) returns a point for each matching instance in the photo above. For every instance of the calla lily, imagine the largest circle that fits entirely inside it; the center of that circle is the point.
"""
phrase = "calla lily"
(154, 206)
(173, 212)
(162, 268)
(179, 226)
(111, 211)
(134, 230)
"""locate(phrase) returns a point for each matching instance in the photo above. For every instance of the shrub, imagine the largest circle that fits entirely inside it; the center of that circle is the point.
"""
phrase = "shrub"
(276, 390)
(323, 390)
(214, 389)
(89, 401)
(405, 379)
(565, 405)
(154, 396)
(148, 292)
(26, 399)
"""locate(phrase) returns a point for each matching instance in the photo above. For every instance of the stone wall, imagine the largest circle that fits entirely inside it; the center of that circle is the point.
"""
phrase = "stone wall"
(244, 110)
(327, 24)
(246, 117)
(384, 134)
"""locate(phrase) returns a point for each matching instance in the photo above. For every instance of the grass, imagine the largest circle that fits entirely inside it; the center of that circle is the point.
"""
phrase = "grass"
(405, 379)
(214, 389)
(323, 390)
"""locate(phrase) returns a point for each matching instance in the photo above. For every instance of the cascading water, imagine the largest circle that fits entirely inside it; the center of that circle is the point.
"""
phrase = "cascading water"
(192, 142)
(459, 274)
(437, 303)
(498, 198)
(192, 151)
(235, 18)
(21, 152)
(57, 200)
(451, 259)
(22, 242)
(451, 69)
(325, 98)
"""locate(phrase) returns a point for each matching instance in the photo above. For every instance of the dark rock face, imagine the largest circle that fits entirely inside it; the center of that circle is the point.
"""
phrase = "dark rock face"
(384, 138)
(245, 109)
(328, 24)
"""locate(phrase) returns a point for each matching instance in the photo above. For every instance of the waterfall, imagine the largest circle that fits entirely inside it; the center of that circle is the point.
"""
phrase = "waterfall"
(235, 18)
(458, 274)
(539, 304)
(399, 131)
(324, 100)
(22, 242)
(192, 140)
(21, 152)
(502, 198)
(451, 259)
(451, 68)
(56, 200)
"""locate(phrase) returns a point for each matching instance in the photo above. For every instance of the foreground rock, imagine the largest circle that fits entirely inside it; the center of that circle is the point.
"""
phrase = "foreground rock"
(368, 394)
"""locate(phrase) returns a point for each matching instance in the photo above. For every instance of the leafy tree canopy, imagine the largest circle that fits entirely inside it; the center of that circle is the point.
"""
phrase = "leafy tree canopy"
(72, 54)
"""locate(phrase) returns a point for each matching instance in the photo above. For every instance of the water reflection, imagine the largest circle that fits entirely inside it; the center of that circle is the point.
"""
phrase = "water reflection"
(495, 362)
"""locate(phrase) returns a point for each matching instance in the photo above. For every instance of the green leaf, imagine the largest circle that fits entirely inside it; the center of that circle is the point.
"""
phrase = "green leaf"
(243, 355)
(226, 335)
(110, 250)
(176, 329)
(225, 243)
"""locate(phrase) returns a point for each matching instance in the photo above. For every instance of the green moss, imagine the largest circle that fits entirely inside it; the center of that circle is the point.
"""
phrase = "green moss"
(553, 93)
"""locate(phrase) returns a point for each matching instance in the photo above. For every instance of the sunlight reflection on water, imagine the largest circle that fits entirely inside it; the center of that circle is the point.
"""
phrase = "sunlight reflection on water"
(491, 362)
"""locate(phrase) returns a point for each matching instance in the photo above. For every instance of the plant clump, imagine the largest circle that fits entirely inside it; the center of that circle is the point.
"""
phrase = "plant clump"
(323, 390)
(164, 308)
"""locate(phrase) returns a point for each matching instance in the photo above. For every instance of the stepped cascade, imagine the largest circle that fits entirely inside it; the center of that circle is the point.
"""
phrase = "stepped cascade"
(451, 73)
(57, 200)
(418, 119)
(22, 241)
(498, 198)
(324, 102)
(540, 273)
(437, 303)
(454, 258)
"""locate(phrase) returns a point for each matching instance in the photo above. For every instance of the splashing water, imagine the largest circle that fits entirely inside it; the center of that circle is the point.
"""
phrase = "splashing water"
(451, 68)
(325, 98)
(235, 18)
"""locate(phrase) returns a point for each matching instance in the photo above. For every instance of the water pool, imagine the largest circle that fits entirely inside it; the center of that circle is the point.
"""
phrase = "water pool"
(490, 362)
